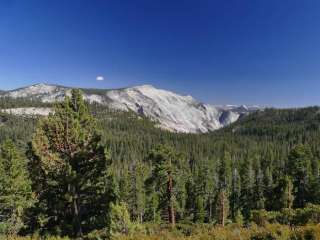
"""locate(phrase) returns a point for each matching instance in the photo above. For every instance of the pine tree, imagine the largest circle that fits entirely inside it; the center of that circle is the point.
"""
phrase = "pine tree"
(283, 194)
(268, 187)
(164, 160)
(191, 192)
(15, 189)
(299, 166)
(201, 193)
(224, 176)
(200, 213)
(180, 195)
(152, 212)
(247, 179)
(235, 205)
(124, 185)
(120, 221)
(259, 190)
(138, 192)
(70, 170)
(222, 207)
(224, 171)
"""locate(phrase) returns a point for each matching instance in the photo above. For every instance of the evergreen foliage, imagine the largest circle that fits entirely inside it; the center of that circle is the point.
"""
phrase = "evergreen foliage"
(163, 180)
(70, 171)
(15, 189)
(266, 165)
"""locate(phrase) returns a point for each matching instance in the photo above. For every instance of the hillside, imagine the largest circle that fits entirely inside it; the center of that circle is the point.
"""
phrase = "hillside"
(169, 110)
(272, 128)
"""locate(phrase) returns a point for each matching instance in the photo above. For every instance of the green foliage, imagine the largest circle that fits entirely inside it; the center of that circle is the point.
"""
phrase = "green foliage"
(69, 169)
(137, 199)
(294, 217)
(199, 210)
(287, 216)
(262, 217)
(283, 194)
(299, 167)
(163, 179)
(266, 163)
(120, 219)
(222, 207)
(309, 214)
(15, 189)
(238, 218)
(307, 233)
(263, 236)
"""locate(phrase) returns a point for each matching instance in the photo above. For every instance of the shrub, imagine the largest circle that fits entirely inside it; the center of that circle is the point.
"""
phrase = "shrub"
(287, 216)
(120, 219)
(263, 236)
(262, 217)
(306, 233)
(309, 214)
(238, 218)
(298, 217)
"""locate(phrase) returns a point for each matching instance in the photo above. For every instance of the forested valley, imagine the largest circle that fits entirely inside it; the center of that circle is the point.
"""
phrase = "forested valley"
(90, 172)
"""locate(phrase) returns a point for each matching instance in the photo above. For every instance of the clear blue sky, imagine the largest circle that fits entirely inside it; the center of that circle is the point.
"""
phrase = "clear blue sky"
(264, 52)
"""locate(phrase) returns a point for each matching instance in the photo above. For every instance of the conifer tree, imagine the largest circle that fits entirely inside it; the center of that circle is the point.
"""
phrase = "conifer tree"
(70, 170)
(259, 190)
(268, 187)
(246, 187)
(235, 195)
(224, 182)
(137, 191)
(15, 189)
(299, 166)
(224, 172)
(222, 207)
(200, 213)
(201, 193)
(152, 212)
(164, 160)
(124, 185)
(283, 194)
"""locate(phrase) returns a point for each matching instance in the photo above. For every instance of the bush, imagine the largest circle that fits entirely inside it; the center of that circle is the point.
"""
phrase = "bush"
(120, 219)
(287, 216)
(263, 217)
(297, 217)
(97, 235)
(263, 236)
(303, 235)
(309, 214)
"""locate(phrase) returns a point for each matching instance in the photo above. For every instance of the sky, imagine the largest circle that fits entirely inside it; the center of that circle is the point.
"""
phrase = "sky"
(262, 52)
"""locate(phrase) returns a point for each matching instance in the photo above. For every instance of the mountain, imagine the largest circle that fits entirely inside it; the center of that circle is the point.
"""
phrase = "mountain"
(171, 111)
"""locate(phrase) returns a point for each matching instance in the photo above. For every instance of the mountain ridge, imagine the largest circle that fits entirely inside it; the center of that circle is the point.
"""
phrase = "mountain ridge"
(171, 111)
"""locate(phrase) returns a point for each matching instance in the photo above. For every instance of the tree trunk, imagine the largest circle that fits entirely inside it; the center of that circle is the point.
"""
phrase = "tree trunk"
(210, 210)
(141, 217)
(76, 215)
(171, 213)
(222, 209)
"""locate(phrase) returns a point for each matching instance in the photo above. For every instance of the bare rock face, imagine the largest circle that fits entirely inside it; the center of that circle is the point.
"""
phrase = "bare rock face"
(171, 111)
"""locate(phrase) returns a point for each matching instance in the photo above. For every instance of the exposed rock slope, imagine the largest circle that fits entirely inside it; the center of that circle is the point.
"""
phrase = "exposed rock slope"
(172, 111)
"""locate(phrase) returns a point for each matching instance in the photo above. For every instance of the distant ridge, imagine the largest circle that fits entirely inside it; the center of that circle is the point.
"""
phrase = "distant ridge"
(171, 111)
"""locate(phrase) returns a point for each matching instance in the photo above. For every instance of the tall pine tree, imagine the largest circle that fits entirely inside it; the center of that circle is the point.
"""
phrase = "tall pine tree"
(164, 160)
(15, 189)
(70, 170)
(299, 166)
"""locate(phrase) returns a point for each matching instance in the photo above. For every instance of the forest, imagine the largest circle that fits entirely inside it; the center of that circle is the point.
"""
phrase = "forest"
(90, 172)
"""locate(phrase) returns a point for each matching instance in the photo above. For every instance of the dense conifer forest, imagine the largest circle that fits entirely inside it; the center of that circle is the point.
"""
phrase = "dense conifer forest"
(87, 171)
